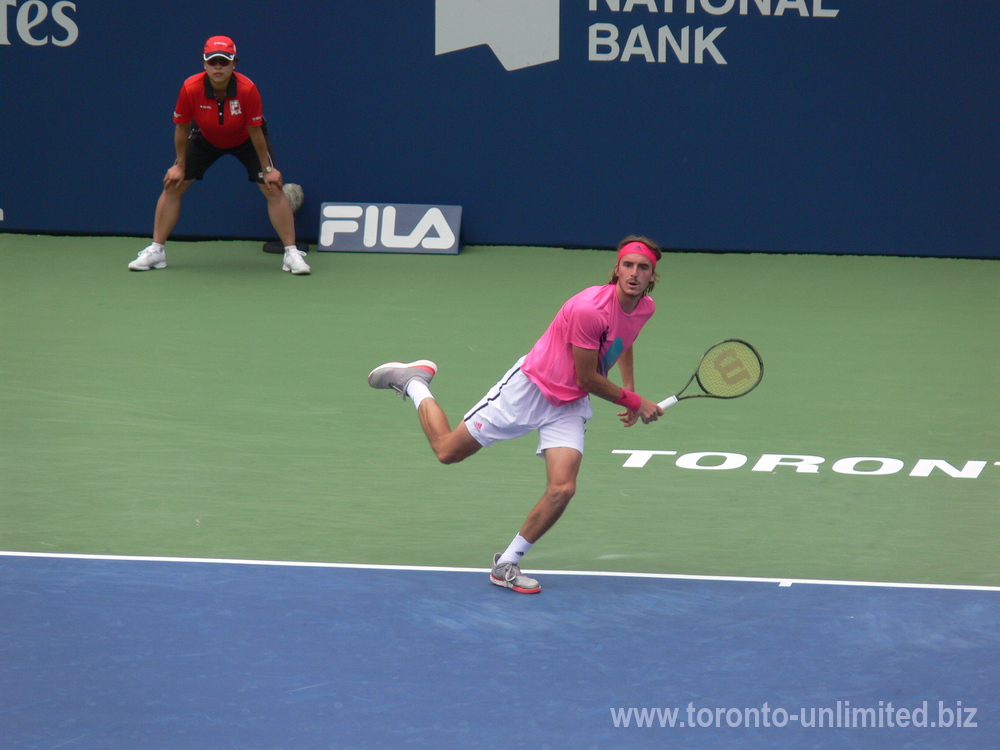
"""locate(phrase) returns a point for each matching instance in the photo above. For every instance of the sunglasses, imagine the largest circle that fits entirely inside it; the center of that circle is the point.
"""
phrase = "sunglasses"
(220, 62)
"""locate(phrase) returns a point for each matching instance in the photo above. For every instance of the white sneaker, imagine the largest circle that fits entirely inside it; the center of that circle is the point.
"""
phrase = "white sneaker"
(149, 259)
(294, 262)
(509, 576)
(397, 375)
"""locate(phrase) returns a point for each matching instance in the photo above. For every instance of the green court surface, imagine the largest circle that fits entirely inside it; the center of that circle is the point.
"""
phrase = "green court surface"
(219, 408)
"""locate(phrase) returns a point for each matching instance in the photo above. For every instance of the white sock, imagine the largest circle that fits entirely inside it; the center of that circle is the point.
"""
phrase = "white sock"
(516, 550)
(290, 248)
(417, 390)
(157, 246)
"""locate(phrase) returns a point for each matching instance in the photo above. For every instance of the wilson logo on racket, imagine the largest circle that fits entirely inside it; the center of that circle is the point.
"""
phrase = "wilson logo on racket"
(729, 369)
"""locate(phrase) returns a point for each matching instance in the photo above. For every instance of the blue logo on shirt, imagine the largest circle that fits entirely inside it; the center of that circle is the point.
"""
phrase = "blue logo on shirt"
(611, 355)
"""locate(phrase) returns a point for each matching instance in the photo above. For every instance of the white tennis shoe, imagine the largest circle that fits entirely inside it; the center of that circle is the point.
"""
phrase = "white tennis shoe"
(397, 375)
(509, 576)
(294, 262)
(149, 259)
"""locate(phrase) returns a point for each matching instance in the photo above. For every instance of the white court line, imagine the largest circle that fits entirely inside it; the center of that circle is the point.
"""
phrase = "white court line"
(781, 582)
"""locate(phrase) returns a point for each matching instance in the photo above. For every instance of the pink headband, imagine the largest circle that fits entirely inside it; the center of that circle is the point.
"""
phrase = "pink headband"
(638, 247)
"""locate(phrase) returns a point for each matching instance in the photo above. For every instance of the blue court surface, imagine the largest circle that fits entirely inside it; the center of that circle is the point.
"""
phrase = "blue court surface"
(103, 652)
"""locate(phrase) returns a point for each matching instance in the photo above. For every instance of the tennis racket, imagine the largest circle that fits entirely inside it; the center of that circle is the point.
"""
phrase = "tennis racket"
(729, 369)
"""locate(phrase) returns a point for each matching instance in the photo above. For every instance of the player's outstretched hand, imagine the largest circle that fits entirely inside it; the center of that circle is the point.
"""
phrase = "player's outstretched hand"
(628, 418)
(648, 412)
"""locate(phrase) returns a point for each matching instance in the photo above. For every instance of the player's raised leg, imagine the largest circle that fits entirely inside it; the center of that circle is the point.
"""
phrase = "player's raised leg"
(412, 379)
(450, 446)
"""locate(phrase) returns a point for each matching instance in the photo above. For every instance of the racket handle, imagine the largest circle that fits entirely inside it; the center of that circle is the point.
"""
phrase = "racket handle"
(667, 402)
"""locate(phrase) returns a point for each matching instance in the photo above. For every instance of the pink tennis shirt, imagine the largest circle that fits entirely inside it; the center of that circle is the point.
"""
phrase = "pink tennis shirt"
(592, 319)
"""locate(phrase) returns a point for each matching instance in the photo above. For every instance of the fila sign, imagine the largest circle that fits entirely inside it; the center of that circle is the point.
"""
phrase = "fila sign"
(389, 228)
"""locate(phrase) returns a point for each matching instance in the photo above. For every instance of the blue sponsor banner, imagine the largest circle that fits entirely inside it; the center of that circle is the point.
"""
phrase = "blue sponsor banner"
(829, 126)
(388, 228)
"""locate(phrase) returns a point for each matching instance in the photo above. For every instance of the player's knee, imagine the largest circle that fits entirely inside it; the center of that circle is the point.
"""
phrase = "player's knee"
(455, 446)
(450, 454)
(561, 493)
(447, 456)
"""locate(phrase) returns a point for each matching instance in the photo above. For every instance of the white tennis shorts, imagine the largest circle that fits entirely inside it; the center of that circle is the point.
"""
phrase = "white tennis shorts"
(515, 406)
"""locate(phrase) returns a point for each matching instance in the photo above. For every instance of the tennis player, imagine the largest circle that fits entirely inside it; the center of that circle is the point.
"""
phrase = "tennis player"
(549, 390)
(219, 112)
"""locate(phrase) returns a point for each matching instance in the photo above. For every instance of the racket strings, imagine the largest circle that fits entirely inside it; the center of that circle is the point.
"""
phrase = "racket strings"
(729, 369)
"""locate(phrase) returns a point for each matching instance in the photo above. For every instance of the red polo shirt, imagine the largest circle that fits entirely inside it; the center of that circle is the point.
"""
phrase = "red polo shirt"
(224, 124)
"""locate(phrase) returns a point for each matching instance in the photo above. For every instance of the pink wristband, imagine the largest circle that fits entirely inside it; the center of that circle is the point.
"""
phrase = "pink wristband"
(631, 401)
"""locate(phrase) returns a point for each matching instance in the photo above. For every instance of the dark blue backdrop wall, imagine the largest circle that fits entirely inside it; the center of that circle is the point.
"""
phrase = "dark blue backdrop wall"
(855, 126)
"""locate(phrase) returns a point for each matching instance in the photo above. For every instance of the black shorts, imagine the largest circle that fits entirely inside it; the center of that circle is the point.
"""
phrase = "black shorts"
(201, 155)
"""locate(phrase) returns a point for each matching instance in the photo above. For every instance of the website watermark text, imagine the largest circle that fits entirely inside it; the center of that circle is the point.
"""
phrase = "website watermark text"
(840, 716)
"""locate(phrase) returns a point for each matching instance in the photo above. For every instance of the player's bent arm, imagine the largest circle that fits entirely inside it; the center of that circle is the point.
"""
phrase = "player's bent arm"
(627, 417)
(590, 379)
(648, 411)
(625, 367)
